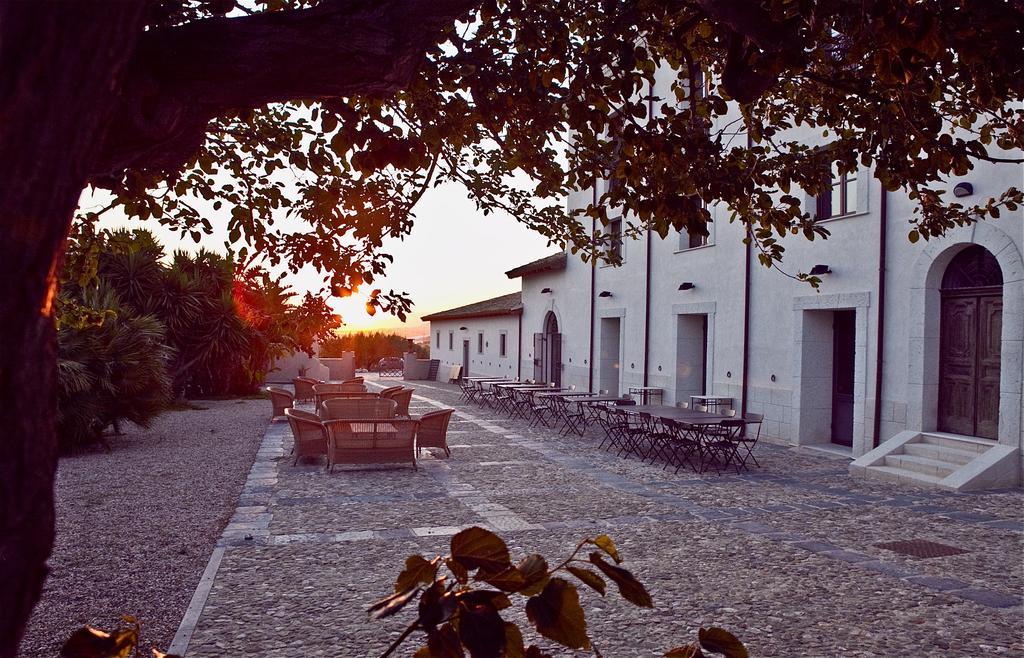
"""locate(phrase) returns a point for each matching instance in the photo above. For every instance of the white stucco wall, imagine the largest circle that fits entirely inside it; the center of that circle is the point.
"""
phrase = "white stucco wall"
(490, 362)
(786, 351)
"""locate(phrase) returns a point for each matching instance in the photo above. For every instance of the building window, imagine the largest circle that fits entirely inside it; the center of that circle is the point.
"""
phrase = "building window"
(451, 340)
(615, 234)
(842, 197)
(480, 343)
(437, 343)
(502, 344)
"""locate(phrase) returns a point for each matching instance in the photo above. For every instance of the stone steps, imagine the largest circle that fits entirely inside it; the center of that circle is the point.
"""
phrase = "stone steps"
(939, 459)
(940, 453)
(932, 467)
(901, 476)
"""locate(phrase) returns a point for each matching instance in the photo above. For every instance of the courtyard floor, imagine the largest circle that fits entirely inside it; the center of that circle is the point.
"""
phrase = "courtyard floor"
(785, 556)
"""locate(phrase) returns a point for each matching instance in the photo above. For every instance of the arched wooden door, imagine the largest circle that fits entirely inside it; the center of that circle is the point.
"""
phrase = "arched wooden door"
(970, 338)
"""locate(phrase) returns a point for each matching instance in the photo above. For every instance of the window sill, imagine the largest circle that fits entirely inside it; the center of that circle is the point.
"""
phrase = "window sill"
(849, 215)
(688, 249)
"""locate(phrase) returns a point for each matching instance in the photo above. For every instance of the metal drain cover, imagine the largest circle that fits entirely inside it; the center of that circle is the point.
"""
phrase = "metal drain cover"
(921, 548)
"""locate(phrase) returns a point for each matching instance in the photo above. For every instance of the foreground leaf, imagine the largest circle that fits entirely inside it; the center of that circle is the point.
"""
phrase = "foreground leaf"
(557, 615)
(508, 579)
(89, 642)
(514, 641)
(719, 640)
(392, 604)
(605, 543)
(688, 651)
(444, 643)
(481, 629)
(589, 578)
(476, 548)
(418, 571)
(436, 605)
(629, 587)
(535, 571)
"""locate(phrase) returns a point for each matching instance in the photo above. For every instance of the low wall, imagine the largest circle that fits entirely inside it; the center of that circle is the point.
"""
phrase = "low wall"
(339, 368)
(299, 364)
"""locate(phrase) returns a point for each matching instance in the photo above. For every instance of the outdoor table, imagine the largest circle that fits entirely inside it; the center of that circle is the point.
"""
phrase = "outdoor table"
(712, 402)
(646, 393)
(696, 422)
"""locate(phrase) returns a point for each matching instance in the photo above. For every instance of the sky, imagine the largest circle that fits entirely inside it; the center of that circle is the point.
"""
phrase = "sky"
(454, 256)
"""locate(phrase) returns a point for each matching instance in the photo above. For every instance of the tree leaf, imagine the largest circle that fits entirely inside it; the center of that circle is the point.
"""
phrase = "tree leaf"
(589, 578)
(629, 587)
(508, 579)
(418, 571)
(436, 605)
(459, 571)
(605, 543)
(89, 642)
(476, 548)
(392, 604)
(481, 628)
(534, 569)
(444, 642)
(688, 651)
(513, 641)
(557, 615)
(719, 640)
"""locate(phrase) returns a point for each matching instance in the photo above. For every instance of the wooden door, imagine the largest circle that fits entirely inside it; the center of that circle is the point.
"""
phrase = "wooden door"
(465, 358)
(553, 360)
(538, 357)
(971, 332)
(843, 359)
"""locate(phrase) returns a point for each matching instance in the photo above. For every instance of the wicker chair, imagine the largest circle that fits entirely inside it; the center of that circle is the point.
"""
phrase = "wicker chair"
(389, 390)
(281, 399)
(368, 408)
(309, 434)
(342, 387)
(403, 396)
(354, 380)
(433, 431)
(356, 441)
(327, 391)
(304, 388)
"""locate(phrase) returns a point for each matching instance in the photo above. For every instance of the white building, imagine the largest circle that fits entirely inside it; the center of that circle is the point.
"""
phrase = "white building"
(482, 337)
(908, 357)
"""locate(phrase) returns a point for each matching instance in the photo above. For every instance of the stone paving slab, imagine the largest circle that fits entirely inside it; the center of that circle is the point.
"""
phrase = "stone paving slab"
(784, 556)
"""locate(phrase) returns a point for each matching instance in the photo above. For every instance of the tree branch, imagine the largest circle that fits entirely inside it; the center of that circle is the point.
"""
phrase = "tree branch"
(182, 77)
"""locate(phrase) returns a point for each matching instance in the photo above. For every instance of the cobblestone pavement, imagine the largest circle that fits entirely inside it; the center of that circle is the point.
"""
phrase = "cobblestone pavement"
(785, 556)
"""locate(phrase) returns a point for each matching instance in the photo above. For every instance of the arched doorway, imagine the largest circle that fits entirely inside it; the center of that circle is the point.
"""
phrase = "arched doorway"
(970, 333)
(547, 352)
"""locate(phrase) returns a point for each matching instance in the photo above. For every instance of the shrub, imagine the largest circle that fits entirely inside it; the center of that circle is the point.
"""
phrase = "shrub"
(110, 371)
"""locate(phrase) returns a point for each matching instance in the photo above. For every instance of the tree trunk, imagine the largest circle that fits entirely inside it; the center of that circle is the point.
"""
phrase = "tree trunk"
(59, 66)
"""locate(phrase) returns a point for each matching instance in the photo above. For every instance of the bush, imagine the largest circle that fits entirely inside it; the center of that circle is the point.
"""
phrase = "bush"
(110, 371)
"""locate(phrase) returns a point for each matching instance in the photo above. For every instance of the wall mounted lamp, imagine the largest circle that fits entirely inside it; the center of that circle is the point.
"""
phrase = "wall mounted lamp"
(604, 293)
(545, 291)
(963, 189)
(820, 269)
(463, 328)
(687, 285)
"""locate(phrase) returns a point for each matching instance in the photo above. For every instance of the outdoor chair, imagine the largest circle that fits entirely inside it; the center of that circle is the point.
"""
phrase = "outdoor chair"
(723, 447)
(304, 388)
(746, 448)
(281, 399)
(433, 431)
(539, 407)
(340, 387)
(389, 390)
(467, 390)
(402, 397)
(309, 434)
(353, 380)
(684, 446)
(357, 408)
(367, 441)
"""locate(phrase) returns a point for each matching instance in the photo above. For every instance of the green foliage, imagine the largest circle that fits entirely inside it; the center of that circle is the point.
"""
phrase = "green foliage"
(369, 347)
(226, 324)
(523, 102)
(109, 372)
(460, 611)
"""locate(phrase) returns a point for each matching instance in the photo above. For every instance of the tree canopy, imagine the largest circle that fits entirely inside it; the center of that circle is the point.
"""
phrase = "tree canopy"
(524, 102)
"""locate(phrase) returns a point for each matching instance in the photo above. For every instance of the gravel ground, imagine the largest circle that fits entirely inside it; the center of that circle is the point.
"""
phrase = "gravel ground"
(785, 556)
(136, 525)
